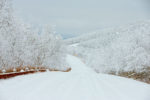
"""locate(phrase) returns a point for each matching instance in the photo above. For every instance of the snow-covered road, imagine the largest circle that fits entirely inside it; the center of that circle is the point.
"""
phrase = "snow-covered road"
(81, 83)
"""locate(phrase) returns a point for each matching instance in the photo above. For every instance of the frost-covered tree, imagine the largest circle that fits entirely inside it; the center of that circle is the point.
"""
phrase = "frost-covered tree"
(21, 46)
(53, 48)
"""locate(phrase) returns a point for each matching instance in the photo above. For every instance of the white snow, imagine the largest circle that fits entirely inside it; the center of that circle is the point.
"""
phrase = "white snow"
(80, 84)
(74, 45)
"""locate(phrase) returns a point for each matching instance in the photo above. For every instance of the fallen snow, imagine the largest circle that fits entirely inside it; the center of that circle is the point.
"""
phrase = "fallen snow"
(80, 84)
(74, 45)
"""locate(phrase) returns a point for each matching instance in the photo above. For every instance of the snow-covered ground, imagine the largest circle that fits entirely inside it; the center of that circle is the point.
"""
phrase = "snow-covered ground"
(80, 84)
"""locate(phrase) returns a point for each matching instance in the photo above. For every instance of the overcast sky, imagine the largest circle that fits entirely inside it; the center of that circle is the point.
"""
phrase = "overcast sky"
(81, 16)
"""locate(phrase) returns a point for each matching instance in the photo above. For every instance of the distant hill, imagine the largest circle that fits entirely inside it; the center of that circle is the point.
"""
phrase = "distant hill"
(124, 48)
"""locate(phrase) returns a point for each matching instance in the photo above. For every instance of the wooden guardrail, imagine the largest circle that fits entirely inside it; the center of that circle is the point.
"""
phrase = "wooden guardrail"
(13, 74)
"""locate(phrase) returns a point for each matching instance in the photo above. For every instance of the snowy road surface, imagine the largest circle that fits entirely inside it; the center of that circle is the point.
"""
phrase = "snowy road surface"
(80, 84)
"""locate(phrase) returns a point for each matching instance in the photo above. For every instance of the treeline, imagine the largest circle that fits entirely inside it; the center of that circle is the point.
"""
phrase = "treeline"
(121, 49)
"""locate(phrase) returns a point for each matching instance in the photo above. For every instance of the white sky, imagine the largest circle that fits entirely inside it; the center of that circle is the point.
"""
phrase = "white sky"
(81, 16)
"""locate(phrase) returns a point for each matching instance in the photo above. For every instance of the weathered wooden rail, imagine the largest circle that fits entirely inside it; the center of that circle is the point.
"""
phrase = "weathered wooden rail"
(13, 74)
(9, 75)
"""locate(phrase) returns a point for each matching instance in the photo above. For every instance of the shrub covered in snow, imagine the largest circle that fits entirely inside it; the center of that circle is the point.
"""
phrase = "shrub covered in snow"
(125, 48)
(20, 45)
